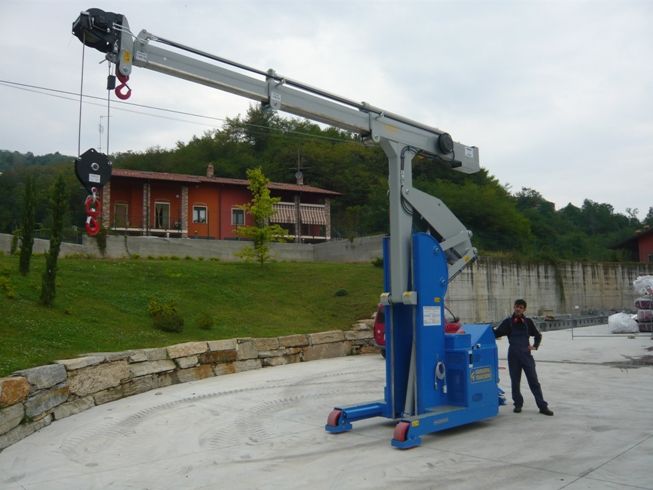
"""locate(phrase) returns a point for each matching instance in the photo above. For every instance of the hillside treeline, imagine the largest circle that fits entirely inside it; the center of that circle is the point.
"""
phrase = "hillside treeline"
(522, 224)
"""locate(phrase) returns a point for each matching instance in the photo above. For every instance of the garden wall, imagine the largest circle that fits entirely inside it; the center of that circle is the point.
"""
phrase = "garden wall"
(33, 398)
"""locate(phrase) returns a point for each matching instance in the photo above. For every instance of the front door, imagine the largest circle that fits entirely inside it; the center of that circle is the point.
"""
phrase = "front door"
(162, 215)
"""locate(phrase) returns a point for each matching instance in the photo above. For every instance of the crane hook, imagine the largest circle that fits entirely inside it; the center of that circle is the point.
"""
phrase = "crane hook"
(123, 79)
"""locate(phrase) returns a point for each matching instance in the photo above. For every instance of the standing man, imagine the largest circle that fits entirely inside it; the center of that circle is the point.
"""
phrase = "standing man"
(519, 330)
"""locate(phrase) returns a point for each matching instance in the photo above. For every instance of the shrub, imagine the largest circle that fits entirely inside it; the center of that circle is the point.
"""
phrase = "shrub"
(164, 315)
(7, 288)
(342, 292)
(204, 321)
(378, 262)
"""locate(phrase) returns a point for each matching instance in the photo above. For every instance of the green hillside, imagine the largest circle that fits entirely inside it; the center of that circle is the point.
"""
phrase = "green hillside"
(101, 305)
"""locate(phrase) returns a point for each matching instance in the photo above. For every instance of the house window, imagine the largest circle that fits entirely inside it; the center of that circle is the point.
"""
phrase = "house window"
(199, 214)
(237, 216)
(162, 215)
(120, 215)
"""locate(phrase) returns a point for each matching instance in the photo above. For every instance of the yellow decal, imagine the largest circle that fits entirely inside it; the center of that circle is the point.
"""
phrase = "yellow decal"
(126, 56)
(437, 300)
(415, 423)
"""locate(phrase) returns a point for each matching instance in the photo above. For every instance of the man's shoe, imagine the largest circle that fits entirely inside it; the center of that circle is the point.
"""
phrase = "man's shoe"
(518, 410)
(546, 411)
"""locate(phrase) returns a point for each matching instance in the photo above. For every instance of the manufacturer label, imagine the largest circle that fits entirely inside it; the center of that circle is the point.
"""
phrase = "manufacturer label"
(432, 316)
(95, 178)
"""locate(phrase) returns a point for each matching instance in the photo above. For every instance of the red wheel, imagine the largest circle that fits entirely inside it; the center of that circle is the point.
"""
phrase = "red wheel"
(334, 417)
(401, 431)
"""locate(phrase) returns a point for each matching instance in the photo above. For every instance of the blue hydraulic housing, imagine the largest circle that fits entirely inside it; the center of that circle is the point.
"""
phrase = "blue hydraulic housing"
(434, 380)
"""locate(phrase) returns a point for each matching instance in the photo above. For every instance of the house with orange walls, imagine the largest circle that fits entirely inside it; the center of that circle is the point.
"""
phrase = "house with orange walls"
(137, 202)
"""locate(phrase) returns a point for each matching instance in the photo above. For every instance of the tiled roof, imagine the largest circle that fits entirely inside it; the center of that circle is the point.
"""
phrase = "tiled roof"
(196, 179)
(144, 175)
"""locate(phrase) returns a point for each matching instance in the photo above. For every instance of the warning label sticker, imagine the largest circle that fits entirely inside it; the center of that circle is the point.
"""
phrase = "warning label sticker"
(480, 374)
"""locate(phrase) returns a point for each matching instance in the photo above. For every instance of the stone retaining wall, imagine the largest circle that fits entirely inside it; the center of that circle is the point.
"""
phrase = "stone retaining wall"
(33, 398)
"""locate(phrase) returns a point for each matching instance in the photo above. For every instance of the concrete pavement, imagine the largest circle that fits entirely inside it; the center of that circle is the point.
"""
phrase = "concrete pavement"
(265, 429)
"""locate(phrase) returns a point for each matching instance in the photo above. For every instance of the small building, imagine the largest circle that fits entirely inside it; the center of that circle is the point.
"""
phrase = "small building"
(137, 202)
(638, 247)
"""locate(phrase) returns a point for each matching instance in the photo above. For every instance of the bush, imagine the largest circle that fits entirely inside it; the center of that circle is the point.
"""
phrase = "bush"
(7, 288)
(378, 262)
(204, 321)
(342, 292)
(164, 315)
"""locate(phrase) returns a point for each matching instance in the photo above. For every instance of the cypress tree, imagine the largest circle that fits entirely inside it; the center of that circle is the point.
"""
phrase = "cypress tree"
(27, 232)
(58, 203)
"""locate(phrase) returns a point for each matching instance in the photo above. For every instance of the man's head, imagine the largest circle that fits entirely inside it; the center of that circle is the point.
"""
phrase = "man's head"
(519, 307)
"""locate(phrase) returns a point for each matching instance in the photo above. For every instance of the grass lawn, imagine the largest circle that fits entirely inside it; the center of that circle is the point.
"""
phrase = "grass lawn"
(101, 305)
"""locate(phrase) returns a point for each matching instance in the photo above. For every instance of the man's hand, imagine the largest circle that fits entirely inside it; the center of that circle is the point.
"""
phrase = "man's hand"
(530, 347)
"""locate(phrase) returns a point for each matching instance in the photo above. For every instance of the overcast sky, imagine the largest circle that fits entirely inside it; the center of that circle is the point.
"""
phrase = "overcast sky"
(557, 95)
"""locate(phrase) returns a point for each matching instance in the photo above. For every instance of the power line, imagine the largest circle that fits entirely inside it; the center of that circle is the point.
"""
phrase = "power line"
(35, 89)
(47, 92)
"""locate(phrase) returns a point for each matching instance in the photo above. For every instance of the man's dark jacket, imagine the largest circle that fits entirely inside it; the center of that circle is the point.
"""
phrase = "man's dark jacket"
(506, 328)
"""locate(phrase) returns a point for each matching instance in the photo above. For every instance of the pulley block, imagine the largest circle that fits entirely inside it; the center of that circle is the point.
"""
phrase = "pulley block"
(93, 169)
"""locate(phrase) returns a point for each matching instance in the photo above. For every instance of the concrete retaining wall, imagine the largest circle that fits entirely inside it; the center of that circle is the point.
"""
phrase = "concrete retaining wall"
(33, 398)
(358, 250)
(42, 246)
(486, 290)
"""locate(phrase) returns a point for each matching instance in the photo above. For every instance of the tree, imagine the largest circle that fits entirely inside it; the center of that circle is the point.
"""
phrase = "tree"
(27, 229)
(261, 208)
(59, 203)
(648, 220)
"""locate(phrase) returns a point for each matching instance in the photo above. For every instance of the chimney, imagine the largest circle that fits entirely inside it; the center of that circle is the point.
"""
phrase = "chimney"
(209, 170)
